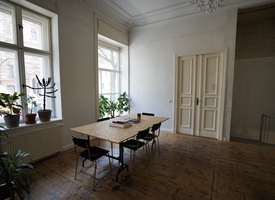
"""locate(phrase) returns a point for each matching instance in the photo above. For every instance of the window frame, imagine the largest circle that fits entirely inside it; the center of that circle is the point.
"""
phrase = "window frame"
(52, 51)
(118, 70)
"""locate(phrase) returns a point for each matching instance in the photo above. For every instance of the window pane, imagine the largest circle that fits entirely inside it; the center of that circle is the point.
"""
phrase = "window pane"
(107, 59)
(35, 31)
(7, 23)
(37, 65)
(108, 82)
(9, 78)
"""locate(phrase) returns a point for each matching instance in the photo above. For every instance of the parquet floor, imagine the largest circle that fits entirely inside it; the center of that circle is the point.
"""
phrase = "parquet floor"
(187, 168)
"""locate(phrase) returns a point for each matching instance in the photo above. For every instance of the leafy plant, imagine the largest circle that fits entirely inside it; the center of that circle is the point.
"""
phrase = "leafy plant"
(109, 107)
(45, 86)
(17, 174)
(123, 103)
(9, 104)
(31, 103)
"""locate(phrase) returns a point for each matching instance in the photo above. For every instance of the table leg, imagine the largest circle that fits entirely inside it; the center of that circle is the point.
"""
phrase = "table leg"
(121, 160)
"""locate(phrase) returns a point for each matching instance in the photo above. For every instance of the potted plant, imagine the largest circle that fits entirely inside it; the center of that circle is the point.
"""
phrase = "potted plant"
(16, 175)
(31, 104)
(123, 103)
(106, 106)
(48, 90)
(109, 107)
(10, 109)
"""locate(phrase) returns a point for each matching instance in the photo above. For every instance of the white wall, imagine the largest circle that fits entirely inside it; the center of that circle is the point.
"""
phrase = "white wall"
(152, 60)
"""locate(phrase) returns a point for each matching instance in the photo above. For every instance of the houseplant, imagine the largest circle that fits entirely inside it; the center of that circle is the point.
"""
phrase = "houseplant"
(10, 109)
(15, 171)
(31, 104)
(109, 107)
(48, 91)
(16, 175)
(123, 103)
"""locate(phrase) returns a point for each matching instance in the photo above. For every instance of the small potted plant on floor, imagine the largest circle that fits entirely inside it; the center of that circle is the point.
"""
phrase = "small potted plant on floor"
(10, 109)
(48, 91)
(16, 175)
(31, 104)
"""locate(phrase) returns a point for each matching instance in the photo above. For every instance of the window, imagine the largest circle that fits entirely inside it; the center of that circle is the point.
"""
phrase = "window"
(108, 71)
(25, 51)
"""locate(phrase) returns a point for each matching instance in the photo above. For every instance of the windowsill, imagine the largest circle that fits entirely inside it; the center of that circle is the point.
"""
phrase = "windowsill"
(26, 127)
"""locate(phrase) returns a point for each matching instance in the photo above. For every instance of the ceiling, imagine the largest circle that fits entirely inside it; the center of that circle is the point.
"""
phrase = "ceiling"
(135, 13)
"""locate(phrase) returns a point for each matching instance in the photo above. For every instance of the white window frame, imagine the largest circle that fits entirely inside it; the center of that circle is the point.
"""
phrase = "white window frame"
(52, 50)
(113, 95)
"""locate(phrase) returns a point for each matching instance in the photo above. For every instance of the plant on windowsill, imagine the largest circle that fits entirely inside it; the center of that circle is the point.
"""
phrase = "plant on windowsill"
(31, 104)
(109, 107)
(44, 114)
(10, 109)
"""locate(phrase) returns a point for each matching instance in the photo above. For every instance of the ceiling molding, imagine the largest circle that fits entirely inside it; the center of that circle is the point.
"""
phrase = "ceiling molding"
(137, 13)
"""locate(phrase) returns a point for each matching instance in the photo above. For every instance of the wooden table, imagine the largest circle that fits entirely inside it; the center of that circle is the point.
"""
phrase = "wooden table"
(102, 130)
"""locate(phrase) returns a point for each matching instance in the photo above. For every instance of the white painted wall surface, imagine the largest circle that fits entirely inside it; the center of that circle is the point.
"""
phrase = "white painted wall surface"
(152, 60)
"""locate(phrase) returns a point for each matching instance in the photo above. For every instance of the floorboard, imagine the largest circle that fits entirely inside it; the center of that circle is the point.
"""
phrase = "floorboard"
(187, 168)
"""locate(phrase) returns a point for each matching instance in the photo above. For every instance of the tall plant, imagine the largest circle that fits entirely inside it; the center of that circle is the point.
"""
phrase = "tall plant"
(45, 86)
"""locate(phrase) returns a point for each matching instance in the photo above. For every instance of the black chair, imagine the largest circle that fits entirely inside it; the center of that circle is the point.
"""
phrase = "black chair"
(90, 153)
(135, 144)
(149, 114)
(153, 136)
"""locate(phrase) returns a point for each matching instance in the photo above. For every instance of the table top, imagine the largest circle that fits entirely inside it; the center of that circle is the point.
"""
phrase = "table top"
(103, 130)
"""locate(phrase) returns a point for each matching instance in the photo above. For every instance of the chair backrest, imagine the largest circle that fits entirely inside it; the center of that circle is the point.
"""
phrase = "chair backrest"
(156, 127)
(142, 133)
(103, 119)
(149, 114)
(83, 143)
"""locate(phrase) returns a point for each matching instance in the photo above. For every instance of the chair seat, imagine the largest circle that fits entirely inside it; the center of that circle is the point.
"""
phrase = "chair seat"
(133, 144)
(149, 137)
(95, 153)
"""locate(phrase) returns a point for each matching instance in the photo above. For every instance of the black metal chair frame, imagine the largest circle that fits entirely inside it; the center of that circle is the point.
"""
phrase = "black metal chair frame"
(135, 144)
(90, 153)
(154, 136)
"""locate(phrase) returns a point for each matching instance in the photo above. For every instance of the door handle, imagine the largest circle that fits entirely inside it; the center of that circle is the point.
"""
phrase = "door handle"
(198, 101)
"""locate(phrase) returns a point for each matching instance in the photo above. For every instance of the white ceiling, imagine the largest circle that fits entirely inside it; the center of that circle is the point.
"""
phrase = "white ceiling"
(144, 12)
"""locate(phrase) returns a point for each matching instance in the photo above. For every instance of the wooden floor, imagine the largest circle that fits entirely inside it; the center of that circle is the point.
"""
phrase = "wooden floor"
(187, 168)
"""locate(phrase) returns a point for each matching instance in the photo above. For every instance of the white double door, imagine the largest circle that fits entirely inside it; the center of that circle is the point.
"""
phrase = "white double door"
(200, 95)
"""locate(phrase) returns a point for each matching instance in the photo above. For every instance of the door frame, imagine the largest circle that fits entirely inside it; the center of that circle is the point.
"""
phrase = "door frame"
(223, 87)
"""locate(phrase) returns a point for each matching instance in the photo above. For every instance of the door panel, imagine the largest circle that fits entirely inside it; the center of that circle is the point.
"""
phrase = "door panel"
(186, 94)
(199, 94)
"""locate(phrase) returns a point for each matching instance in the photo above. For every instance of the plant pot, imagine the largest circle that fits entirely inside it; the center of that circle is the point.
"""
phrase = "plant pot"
(4, 191)
(30, 118)
(12, 121)
(44, 115)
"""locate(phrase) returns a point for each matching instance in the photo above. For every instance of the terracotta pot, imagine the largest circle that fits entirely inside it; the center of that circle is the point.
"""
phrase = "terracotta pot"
(12, 121)
(30, 118)
(44, 115)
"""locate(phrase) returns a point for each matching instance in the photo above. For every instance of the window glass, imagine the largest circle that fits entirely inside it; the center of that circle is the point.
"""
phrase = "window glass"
(7, 23)
(108, 71)
(35, 31)
(22, 61)
(36, 64)
(9, 70)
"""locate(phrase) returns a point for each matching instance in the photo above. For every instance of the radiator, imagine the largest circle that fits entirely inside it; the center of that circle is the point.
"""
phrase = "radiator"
(40, 143)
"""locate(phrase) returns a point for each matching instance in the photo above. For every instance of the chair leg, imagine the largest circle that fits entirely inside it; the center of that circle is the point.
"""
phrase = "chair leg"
(76, 168)
(95, 174)
(158, 145)
(110, 164)
(112, 149)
